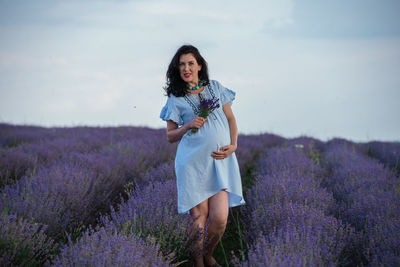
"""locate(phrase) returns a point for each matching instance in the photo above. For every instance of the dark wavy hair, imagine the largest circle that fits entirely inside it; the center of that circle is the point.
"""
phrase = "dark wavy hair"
(175, 84)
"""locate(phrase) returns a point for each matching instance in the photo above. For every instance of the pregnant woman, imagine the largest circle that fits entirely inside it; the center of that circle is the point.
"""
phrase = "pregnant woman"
(206, 168)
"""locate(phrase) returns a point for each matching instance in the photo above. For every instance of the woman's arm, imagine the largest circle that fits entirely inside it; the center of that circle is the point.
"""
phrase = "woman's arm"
(225, 151)
(232, 123)
(175, 134)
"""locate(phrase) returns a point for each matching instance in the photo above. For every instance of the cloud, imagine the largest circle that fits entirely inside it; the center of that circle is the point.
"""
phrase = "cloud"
(343, 19)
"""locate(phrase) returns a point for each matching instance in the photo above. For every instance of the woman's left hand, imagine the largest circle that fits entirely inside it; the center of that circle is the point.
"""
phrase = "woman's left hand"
(224, 152)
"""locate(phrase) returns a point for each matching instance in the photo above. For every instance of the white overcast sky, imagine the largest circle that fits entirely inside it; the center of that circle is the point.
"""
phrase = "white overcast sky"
(317, 68)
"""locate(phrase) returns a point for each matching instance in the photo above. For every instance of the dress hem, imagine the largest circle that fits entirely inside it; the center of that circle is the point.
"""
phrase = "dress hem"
(240, 203)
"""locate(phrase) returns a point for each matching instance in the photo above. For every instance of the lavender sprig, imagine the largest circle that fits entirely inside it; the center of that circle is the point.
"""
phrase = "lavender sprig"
(206, 107)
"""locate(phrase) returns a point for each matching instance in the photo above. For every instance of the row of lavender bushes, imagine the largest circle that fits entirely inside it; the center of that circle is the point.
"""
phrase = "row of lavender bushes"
(148, 214)
(289, 212)
(367, 194)
(386, 152)
(293, 222)
(77, 178)
(36, 146)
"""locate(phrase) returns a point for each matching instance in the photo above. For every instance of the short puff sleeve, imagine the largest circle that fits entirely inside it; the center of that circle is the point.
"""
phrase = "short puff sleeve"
(171, 112)
(227, 95)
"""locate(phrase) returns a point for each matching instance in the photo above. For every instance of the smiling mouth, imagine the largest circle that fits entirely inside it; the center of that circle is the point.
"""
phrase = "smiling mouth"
(187, 75)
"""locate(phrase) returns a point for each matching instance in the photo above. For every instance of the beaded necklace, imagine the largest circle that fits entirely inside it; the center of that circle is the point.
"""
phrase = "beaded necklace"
(195, 87)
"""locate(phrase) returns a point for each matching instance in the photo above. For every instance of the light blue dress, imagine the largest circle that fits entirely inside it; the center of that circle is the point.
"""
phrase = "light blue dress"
(199, 175)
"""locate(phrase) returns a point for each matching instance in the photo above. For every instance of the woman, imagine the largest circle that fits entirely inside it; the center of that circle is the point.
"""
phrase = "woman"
(207, 172)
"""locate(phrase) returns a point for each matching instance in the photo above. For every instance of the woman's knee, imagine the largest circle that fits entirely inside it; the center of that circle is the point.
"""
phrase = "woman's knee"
(219, 209)
(219, 220)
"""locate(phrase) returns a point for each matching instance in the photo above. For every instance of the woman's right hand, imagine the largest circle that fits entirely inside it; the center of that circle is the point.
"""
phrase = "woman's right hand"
(197, 122)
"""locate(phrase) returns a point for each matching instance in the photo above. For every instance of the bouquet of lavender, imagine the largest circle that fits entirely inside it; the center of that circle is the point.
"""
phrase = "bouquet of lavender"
(206, 107)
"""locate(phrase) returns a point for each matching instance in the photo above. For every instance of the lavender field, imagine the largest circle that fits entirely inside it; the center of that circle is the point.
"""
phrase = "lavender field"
(106, 196)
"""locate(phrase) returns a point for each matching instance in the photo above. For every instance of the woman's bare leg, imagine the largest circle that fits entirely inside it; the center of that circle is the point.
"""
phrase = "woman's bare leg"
(199, 215)
(218, 209)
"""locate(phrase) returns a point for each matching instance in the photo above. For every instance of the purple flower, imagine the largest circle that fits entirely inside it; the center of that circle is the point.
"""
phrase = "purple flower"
(206, 107)
(105, 247)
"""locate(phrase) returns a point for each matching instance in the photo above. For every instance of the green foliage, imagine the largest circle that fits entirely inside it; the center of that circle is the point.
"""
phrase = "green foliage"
(315, 155)
(23, 243)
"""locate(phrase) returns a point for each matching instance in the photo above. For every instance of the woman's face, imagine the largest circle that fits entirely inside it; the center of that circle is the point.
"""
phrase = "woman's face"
(189, 69)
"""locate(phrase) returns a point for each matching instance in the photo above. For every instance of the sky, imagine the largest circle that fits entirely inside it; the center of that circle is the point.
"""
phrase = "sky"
(315, 68)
